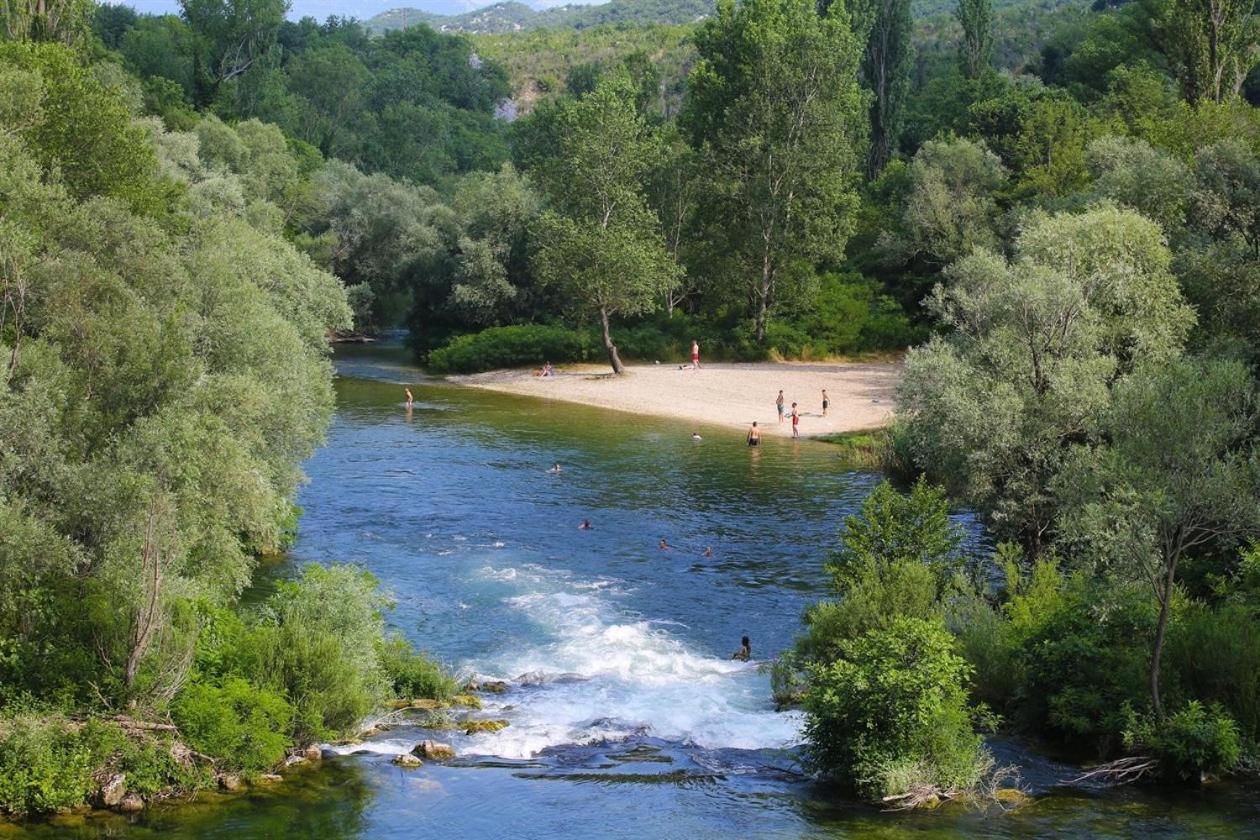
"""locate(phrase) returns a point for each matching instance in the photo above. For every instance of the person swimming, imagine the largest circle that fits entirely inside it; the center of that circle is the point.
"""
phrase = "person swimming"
(745, 650)
(665, 546)
(585, 526)
(754, 435)
(696, 436)
(555, 468)
(708, 551)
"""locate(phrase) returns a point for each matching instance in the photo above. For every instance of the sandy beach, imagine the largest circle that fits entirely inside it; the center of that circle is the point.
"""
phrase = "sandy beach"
(862, 394)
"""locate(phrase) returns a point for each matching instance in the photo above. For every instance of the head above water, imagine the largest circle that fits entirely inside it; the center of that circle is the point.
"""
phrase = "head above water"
(743, 640)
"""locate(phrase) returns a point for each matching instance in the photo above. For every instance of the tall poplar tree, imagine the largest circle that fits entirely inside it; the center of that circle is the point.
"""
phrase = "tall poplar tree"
(975, 51)
(774, 106)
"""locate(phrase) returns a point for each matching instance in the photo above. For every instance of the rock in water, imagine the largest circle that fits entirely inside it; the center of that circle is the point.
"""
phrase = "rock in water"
(112, 791)
(473, 726)
(434, 750)
(312, 753)
(231, 783)
(131, 803)
(495, 687)
(408, 760)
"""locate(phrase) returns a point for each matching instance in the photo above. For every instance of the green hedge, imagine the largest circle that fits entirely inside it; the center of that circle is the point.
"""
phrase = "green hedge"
(518, 346)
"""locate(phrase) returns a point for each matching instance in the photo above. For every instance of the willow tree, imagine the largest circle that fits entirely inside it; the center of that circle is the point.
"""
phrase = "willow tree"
(599, 244)
(774, 105)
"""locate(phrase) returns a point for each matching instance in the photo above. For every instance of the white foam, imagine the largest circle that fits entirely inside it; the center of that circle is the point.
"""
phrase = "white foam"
(603, 675)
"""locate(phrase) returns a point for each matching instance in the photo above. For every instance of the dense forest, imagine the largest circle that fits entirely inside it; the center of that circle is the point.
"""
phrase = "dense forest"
(1063, 225)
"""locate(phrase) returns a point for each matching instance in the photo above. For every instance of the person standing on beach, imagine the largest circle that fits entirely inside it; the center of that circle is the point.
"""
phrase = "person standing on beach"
(826, 402)
(796, 422)
(695, 355)
(778, 404)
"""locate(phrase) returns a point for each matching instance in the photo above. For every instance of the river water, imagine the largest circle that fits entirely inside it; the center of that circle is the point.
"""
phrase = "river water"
(627, 716)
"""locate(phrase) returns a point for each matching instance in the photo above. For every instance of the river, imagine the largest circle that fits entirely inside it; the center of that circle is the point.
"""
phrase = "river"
(627, 717)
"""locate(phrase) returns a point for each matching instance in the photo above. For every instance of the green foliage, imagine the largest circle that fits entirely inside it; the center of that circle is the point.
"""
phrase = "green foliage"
(44, 765)
(894, 700)
(897, 558)
(1194, 741)
(1214, 656)
(412, 675)
(505, 347)
(248, 727)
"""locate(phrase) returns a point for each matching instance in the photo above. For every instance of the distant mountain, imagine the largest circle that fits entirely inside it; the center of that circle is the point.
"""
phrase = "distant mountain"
(511, 16)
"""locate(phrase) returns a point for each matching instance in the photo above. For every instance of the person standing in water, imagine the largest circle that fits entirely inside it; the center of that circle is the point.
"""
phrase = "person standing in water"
(410, 399)
(796, 422)
(778, 404)
(826, 402)
(754, 435)
(745, 650)
(695, 355)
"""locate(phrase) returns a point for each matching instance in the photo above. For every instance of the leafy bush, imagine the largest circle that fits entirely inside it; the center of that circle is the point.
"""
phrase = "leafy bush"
(517, 346)
(412, 674)
(895, 700)
(1214, 655)
(1198, 739)
(45, 764)
(244, 726)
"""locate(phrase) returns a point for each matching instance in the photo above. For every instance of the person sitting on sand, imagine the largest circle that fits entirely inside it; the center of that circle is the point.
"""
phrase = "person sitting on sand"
(665, 546)
(754, 435)
(745, 650)
(555, 469)
(585, 526)
(548, 370)
(410, 399)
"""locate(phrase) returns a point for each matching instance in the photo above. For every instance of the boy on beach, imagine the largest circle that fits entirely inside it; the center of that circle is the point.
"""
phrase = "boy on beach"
(796, 422)
(778, 404)
(826, 402)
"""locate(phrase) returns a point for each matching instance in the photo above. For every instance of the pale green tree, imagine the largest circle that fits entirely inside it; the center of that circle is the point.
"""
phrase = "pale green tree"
(1036, 344)
(600, 245)
(1129, 171)
(1179, 474)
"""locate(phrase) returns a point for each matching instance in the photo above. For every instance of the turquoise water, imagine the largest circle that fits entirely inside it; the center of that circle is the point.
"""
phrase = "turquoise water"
(627, 717)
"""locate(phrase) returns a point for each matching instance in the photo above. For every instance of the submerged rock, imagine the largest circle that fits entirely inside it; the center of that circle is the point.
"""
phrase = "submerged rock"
(471, 701)
(494, 687)
(472, 727)
(131, 803)
(434, 750)
(271, 778)
(408, 760)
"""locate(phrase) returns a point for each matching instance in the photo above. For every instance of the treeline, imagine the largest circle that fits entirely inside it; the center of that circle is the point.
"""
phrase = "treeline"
(163, 371)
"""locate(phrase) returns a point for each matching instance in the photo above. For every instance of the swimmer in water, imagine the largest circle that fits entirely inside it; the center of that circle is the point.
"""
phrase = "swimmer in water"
(696, 436)
(410, 399)
(555, 469)
(585, 526)
(708, 551)
(754, 435)
(745, 650)
(665, 546)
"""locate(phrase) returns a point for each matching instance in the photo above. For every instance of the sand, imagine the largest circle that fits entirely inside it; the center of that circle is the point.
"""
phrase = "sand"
(733, 395)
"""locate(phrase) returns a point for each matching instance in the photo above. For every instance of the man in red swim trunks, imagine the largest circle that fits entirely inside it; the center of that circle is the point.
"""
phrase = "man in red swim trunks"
(695, 354)
(796, 422)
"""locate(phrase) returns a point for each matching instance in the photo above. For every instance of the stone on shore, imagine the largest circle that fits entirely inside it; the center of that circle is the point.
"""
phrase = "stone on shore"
(112, 791)
(231, 783)
(131, 803)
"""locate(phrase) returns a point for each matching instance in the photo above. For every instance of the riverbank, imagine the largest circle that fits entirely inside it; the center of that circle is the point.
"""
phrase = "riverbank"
(862, 395)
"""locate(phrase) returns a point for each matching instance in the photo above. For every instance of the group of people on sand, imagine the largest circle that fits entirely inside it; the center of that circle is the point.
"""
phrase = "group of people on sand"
(754, 433)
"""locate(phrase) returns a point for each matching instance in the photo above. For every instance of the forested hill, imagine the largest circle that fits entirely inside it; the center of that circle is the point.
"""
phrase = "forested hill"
(517, 17)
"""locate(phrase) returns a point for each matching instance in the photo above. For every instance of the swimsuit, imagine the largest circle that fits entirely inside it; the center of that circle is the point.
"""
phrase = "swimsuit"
(752, 441)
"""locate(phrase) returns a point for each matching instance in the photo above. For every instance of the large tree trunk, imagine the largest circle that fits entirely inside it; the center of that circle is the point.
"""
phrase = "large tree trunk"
(613, 358)
(763, 298)
(1161, 631)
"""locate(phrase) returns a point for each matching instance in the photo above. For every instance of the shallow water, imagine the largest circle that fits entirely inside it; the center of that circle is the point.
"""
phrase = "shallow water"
(628, 718)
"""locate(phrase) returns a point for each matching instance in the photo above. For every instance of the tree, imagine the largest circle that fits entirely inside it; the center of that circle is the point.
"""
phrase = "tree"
(774, 105)
(992, 408)
(975, 51)
(231, 36)
(600, 245)
(1180, 472)
(950, 210)
(66, 21)
(1129, 171)
(1210, 44)
(886, 73)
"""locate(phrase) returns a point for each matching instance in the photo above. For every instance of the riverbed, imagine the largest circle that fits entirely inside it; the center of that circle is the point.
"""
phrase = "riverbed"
(627, 716)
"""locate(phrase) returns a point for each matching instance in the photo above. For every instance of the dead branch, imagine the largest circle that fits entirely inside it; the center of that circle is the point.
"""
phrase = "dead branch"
(1122, 771)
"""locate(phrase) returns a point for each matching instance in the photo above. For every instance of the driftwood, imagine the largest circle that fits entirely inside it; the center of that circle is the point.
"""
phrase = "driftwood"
(916, 797)
(1122, 771)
